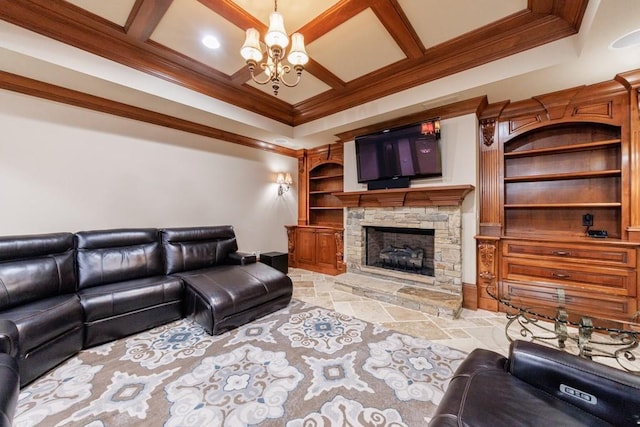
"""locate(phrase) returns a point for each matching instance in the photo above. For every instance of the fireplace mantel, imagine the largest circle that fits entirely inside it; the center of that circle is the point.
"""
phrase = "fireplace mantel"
(446, 195)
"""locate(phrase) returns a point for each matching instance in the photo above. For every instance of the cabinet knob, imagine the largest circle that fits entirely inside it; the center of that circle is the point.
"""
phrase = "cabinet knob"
(561, 275)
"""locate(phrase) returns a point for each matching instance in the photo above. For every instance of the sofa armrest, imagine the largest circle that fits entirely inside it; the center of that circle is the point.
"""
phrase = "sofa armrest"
(9, 338)
(240, 258)
(608, 393)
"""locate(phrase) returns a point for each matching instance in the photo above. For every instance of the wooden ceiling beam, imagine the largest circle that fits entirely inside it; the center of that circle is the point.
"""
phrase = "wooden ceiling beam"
(336, 15)
(234, 14)
(145, 17)
(396, 22)
(545, 21)
(509, 36)
(52, 20)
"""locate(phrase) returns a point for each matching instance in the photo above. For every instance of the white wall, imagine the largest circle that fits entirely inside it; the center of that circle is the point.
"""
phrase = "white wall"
(64, 168)
(459, 166)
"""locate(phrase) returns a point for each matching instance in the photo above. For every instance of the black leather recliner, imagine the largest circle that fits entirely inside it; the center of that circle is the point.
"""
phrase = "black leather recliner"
(537, 386)
(221, 290)
(37, 294)
(122, 285)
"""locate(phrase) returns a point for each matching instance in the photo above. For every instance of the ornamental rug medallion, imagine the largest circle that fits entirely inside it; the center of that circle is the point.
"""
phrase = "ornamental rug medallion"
(301, 366)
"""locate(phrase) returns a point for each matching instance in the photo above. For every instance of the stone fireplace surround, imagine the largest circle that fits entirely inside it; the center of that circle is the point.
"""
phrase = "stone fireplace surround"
(437, 208)
(444, 220)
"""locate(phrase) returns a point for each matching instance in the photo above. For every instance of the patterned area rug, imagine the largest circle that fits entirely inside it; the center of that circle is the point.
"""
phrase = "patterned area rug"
(301, 366)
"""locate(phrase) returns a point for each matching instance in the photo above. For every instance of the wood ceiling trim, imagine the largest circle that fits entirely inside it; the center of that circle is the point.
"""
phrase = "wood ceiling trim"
(148, 57)
(512, 35)
(449, 111)
(323, 74)
(336, 15)
(396, 22)
(145, 17)
(234, 14)
(55, 93)
(552, 19)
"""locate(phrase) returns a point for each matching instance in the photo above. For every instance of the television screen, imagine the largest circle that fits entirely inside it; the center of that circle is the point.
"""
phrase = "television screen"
(398, 153)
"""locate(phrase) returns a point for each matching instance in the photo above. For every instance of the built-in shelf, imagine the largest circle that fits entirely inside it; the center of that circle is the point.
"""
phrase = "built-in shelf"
(322, 192)
(450, 195)
(326, 176)
(565, 176)
(561, 205)
(563, 149)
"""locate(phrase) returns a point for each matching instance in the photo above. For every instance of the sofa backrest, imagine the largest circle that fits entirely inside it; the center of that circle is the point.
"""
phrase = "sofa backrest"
(34, 267)
(197, 247)
(109, 256)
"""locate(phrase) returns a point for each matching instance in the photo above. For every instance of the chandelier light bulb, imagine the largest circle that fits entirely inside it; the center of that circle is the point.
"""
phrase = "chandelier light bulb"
(298, 55)
(251, 50)
(277, 35)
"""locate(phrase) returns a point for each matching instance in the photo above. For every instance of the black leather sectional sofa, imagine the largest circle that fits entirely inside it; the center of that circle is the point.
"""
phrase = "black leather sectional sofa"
(62, 292)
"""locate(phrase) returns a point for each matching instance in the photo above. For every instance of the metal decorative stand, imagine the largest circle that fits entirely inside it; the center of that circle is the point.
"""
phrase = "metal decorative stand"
(609, 343)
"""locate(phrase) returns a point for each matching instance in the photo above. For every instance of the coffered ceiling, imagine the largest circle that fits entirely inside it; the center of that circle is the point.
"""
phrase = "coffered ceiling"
(370, 60)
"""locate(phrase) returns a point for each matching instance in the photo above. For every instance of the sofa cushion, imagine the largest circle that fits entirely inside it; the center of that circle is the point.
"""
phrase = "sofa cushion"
(194, 248)
(224, 297)
(110, 256)
(42, 321)
(9, 389)
(35, 267)
(119, 298)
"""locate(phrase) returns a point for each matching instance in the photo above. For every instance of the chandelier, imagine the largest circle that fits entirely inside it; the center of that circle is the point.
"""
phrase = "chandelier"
(276, 42)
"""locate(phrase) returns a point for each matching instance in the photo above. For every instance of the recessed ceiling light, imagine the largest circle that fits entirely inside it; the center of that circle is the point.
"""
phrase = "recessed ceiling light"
(628, 40)
(211, 42)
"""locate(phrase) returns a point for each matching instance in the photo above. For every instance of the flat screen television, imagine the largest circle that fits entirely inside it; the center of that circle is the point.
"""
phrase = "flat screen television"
(404, 152)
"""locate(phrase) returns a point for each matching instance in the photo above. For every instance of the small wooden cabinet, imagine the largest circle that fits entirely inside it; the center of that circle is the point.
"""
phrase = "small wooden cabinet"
(316, 248)
(316, 242)
(544, 164)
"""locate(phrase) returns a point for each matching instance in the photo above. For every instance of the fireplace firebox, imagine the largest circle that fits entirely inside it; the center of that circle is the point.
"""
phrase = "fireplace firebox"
(409, 250)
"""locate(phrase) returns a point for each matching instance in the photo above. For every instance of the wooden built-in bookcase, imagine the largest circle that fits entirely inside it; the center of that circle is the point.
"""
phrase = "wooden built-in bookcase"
(544, 164)
(316, 242)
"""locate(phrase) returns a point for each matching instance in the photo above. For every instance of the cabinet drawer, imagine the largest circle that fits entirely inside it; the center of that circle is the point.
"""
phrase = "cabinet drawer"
(599, 279)
(598, 254)
(550, 296)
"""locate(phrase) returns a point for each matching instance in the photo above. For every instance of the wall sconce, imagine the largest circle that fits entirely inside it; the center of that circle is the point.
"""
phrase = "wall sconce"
(284, 182)
(431, 127)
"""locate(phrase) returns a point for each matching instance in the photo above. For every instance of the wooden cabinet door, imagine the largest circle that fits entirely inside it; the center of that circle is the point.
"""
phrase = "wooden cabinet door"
(306, 245)
(326, 248)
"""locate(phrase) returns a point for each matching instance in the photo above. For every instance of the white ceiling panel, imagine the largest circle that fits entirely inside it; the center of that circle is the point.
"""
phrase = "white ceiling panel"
(187, 22)
(357, 47)
(437, 21)
(308, 87)
(116, 11)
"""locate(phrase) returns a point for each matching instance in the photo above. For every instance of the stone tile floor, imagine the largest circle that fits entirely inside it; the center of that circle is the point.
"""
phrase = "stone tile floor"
(473, 329)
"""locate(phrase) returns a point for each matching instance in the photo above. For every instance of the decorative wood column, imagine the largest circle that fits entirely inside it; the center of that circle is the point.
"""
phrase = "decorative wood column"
(631, 80)
(487, 277)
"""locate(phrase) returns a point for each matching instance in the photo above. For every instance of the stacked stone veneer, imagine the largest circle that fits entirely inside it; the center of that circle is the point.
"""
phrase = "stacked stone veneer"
(444, 220)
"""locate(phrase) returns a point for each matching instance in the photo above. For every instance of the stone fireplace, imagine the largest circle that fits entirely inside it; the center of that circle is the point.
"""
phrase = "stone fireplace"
(426, 227)
(443, 221)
